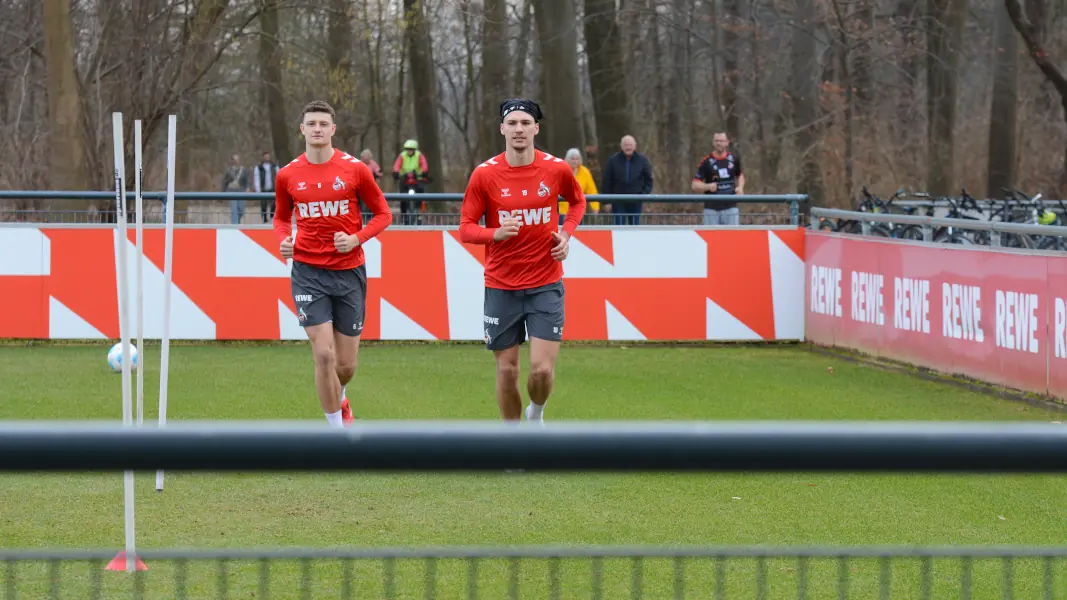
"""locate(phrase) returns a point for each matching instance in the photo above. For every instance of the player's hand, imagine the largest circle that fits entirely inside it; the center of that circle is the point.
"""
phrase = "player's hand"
(563, 244)
(287, 247)
(713, 187)
(345, 243)
(509, 228)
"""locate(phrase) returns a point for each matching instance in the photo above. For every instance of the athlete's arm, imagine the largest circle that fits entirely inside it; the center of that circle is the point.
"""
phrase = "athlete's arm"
(373, 197)
(470, 232)
(283, 207)
(572, 193)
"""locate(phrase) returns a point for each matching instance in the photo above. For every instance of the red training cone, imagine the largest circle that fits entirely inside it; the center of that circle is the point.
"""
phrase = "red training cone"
(119, 563)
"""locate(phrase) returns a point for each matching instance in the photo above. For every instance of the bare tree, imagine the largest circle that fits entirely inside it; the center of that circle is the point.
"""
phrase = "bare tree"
(559, 55)
(1031, 37)
(424, 89)
(270, 67)
(805, 99)
(1003, 110)
(64, 99)
(607, 75)
(494, 73)
(944, 37)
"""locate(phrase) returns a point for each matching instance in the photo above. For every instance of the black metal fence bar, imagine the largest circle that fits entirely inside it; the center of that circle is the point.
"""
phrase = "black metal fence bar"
(493, 446)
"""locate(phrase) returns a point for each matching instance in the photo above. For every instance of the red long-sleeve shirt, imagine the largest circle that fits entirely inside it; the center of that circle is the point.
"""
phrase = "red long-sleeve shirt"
(326, 199)
(497, 190)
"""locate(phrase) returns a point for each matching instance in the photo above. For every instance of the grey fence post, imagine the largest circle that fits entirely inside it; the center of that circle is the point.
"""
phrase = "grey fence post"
(928, 233)
(865, 227)
(994, 238)
(794, 212)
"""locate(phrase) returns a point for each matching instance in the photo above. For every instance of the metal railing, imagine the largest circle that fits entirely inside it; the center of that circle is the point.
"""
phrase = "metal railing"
(489, 446)
(718, 573)
(927, 224)
(210, 207)
(542, 571)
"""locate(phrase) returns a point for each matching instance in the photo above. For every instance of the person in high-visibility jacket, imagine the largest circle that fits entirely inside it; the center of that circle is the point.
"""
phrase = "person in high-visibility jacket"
(585, 180)
(411, 161)
(410, 172)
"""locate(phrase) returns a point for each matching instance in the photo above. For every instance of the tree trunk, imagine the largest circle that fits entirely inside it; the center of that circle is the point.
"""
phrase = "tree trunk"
(67, 143)
(424, 89)
(1003, 116)
(340, 87)
(805, 100)
(559, 58)
(674, 140)
(607, 74)
(522, 47)
(730, 76)
(494, 75)
(945, 33)
(848, 82)
(270, 68)
(768, 170)
(1031, 33)
(905, 121)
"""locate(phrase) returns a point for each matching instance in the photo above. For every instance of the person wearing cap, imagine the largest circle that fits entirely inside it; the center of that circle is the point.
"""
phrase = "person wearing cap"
(410, 171)
(516, 193)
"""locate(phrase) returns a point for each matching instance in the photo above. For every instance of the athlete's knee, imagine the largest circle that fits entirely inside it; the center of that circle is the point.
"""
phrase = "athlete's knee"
(325, 358)
(507, 372)
(542, 372)
(346, 372)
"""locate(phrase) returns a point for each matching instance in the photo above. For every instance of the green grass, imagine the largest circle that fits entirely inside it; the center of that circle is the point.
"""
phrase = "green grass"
(456, 382)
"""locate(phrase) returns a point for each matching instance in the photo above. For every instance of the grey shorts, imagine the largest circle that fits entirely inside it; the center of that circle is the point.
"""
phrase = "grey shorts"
(325, 295)
(511, 314)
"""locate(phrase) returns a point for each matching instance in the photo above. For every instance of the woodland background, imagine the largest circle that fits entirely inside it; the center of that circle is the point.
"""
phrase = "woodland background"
(819, 96)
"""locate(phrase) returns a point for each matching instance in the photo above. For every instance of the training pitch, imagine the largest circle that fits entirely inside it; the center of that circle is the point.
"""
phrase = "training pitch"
(428, 382)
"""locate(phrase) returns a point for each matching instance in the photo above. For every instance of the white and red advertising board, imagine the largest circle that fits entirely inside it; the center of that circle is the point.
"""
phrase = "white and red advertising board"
(231, 283)
(992, 314)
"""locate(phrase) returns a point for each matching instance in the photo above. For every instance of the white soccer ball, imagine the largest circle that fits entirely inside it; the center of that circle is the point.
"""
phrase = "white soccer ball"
(114, 358)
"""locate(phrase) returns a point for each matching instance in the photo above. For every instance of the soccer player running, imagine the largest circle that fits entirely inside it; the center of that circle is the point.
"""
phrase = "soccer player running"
(517, 193)
(329, 277)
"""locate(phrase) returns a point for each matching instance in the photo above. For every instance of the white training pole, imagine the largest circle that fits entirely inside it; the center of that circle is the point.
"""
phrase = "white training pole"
(137, 175)
(124, 326)
(168, 261)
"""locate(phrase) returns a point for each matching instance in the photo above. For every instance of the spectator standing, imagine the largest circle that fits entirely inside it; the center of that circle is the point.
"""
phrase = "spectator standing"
(263, 176)
(235, 179)
(720, 174)
(585, 181)
(367, 157)
(627, 172)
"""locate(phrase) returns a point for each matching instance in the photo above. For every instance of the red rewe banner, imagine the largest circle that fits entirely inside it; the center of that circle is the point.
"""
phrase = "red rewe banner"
(991, 314)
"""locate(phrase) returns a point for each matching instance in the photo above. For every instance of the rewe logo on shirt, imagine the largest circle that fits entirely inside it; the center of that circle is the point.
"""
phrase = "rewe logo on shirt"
(528, 216)
(326, 208)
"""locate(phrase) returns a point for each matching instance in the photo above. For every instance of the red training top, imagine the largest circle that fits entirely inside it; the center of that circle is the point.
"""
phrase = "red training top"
(529, 194)
(326, 198)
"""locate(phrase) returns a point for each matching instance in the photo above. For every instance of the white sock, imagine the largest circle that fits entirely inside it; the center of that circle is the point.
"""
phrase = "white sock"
(535, 412)
(334, 419)
(343, 392)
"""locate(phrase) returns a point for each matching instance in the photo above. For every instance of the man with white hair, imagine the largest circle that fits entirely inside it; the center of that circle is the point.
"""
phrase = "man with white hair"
(627, 172)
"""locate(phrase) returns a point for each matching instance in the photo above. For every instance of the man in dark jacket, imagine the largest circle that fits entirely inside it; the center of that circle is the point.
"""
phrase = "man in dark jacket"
(627, 172)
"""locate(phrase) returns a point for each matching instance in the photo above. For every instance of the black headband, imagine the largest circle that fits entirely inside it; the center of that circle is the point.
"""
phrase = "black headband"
(526, 106)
